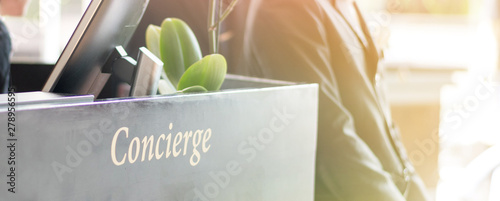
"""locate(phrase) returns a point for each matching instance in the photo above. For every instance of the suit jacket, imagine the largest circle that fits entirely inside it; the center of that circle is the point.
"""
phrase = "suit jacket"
(359, 154)
(5, 49)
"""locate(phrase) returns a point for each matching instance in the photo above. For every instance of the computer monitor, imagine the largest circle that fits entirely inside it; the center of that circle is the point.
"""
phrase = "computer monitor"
(95, 51)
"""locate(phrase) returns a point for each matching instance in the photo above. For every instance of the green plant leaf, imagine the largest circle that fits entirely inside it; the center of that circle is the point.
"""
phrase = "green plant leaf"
(165, 87)
(179, 48)
(153, 39)
(209, 72)
(194, 89)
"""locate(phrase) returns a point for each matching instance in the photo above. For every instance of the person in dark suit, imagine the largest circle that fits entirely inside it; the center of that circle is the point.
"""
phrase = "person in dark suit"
(5, 49)
(12, 8)
(359, 153)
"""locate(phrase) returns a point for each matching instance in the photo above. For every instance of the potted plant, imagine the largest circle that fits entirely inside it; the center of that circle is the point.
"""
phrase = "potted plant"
(176, 45)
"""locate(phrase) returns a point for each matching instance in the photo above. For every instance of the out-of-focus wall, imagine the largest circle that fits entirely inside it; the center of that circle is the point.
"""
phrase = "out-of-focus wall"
(418, 124)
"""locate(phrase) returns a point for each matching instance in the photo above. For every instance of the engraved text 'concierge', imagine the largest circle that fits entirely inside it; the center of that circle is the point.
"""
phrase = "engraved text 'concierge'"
(162, 146)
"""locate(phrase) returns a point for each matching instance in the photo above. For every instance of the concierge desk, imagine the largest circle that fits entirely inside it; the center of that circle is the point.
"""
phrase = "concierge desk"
(253, 140)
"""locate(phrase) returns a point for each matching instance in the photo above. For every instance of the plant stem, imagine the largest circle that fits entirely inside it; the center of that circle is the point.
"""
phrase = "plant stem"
(215, 18)
(213, 26)
(228, 10)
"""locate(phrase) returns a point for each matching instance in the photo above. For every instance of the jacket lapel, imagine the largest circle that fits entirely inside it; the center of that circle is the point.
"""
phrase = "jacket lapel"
(371, 52)
(362, 38)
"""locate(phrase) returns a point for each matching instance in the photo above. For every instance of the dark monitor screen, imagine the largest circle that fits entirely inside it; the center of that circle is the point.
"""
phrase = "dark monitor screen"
(105, 25)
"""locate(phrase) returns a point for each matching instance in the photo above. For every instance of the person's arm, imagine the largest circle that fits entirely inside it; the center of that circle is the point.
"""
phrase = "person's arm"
(286, 40)
(12, 7)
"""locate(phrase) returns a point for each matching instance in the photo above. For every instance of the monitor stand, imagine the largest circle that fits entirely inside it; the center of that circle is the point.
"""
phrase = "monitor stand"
(142, 75)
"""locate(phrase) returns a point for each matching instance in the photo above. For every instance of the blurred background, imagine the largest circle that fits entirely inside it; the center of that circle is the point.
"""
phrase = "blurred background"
(440, 70)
